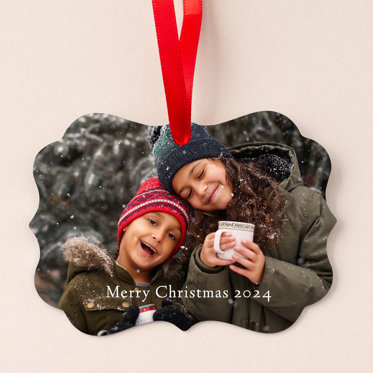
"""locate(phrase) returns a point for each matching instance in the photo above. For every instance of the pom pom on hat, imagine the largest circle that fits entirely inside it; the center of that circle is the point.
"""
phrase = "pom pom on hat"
(152, 197)
(170, 157)
(153, 135)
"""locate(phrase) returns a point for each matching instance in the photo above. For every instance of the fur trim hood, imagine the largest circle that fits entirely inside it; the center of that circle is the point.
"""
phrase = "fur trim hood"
(84, 255)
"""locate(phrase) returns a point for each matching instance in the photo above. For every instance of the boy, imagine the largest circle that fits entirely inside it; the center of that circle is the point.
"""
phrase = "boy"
(100, 289)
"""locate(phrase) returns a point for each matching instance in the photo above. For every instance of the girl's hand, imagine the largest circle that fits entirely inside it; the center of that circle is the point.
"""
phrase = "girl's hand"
(208, 255)
(253, 261)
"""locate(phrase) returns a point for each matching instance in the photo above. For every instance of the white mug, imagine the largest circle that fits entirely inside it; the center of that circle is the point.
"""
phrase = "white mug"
(146, 314)
(240, 231)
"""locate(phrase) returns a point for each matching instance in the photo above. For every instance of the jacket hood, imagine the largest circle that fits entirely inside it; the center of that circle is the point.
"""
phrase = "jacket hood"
(276, 160)
(83, 255)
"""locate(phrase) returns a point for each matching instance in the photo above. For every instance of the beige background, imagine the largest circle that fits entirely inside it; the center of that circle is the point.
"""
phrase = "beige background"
(310, 60)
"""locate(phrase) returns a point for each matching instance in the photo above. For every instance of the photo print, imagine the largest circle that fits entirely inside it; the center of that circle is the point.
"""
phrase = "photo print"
(133, 228)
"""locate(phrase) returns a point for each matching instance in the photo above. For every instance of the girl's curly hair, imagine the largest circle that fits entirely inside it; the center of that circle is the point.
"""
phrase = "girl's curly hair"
(257, 199)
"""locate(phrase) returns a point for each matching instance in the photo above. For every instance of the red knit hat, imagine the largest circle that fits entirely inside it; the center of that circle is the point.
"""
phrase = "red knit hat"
(153, 197)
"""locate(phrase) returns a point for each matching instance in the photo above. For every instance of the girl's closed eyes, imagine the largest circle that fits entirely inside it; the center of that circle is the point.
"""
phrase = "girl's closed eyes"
(204, 184)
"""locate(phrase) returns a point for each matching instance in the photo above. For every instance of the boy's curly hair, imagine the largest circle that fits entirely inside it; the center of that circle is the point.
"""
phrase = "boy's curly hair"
(257, 199)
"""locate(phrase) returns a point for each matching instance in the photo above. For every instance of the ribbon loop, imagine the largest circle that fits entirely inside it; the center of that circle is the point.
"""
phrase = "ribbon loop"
(178, 58)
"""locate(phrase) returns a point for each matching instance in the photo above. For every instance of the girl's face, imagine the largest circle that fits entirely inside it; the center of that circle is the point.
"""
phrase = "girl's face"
(203, 184)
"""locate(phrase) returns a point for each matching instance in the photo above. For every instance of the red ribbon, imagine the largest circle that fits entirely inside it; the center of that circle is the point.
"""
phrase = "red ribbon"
(178, 59)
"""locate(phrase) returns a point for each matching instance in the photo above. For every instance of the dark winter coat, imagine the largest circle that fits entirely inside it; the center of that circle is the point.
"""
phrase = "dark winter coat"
(86, 300)
(297, 273)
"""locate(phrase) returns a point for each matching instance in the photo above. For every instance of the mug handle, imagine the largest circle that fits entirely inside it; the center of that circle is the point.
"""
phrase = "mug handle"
(218, 234)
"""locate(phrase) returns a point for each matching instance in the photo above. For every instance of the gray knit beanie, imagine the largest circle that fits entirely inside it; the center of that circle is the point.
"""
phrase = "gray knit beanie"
(170, 157)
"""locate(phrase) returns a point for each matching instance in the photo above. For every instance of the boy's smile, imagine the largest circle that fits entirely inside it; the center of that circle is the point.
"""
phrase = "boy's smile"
(147, 242)
(203, 184)
(149, 250)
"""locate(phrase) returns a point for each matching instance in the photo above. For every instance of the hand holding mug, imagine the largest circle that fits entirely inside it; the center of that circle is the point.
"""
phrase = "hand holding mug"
(208, 254)
(251, 259)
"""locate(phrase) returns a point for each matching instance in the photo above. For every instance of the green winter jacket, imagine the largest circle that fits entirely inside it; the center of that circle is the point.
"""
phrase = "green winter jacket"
(297, 273)
(99, 290)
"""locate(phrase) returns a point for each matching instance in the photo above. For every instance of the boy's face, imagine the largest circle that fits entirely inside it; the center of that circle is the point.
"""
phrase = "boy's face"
(203, 184)
(148, 241)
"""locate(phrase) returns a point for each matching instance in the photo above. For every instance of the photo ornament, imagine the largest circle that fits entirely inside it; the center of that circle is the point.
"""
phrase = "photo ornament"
(134, 228)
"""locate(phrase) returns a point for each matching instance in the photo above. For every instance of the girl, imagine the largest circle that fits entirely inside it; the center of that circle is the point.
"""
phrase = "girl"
(287, 267)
